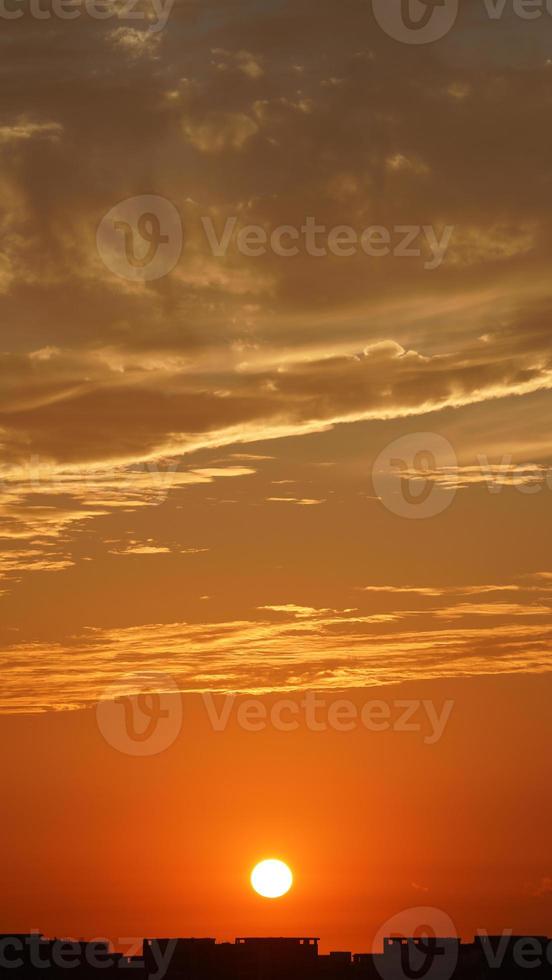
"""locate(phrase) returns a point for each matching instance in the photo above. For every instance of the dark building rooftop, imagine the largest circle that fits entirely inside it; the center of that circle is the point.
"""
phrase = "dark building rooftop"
(499, 957)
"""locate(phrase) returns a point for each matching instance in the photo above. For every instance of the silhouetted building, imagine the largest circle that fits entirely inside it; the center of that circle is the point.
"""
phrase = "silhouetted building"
(506, 957)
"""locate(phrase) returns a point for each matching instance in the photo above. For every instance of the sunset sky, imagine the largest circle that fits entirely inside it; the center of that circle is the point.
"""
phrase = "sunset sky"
(199, 490)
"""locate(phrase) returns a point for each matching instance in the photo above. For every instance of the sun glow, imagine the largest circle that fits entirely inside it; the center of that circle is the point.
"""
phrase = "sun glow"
(271, 878)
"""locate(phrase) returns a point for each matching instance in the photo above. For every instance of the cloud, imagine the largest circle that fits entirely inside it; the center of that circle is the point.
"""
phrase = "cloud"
(245, 62)
(27, 130)
(135, 43)
(164, 411)
(298, 646)
(42, 507)
(150, 547)
(301, 612)
(404, 590)
(220, 131)
(108, 388)
(492, 609)
(300, 501)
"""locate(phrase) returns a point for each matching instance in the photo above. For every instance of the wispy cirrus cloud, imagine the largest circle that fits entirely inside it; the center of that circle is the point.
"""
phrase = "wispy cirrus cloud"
(108, 387)
(43, 506)
(288, 648)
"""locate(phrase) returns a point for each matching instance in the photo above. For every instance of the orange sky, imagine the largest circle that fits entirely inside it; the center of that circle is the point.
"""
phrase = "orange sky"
(201, 484)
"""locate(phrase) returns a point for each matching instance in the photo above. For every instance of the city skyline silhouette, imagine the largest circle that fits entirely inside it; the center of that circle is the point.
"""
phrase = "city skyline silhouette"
(401, 958)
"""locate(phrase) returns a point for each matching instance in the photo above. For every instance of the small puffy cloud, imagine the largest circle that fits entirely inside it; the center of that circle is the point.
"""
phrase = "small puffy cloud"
(135, 43)
(220, 131)
(247, 63)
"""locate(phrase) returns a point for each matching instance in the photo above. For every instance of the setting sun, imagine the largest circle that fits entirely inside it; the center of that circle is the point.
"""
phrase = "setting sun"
(271, 879)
